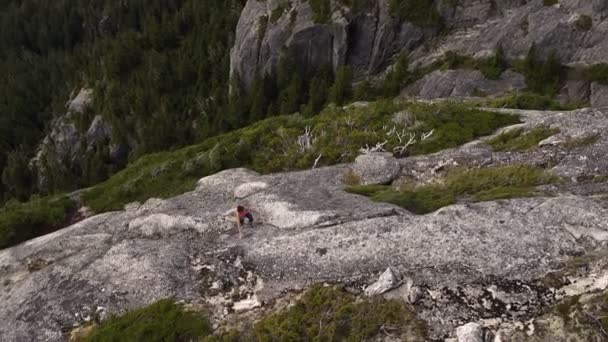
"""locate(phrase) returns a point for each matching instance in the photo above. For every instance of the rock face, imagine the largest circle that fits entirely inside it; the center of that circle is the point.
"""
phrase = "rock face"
(369, 39)
(504, 260)
(550, 28)
(66, 145)
(464, 83)
(470, 332)
(599, 95)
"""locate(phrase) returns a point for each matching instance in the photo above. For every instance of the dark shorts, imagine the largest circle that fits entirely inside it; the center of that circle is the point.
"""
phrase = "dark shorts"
(248, 216)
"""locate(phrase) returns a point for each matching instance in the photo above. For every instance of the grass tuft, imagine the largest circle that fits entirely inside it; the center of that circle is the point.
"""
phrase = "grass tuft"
(480, 185)
(518, 140)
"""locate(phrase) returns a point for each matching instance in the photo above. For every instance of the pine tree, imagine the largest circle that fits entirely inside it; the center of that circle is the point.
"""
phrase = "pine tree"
(341, 91)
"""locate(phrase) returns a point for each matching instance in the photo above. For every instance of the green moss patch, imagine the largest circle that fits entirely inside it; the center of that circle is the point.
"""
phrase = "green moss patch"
(479, 185)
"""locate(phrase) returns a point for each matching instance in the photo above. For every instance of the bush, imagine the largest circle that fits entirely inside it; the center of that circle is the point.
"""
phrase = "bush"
(421, 13)
(321, 10)
(584, 23)
(599, 73)
(518, 140)
(23, 221)
(478, 184)
(162, 321)
(542, 77)
(331, 314)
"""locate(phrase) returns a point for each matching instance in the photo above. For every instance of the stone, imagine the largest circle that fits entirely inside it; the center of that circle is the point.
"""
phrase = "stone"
(599, 95)
(470, 332)
(247, 304)
(80, 103)
(386, 282)
(376, 168)
(98, 132)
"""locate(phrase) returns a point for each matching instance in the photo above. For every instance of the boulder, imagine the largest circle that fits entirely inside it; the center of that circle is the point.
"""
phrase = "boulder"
(386, 282)
(470, 332)
(376, 168)
(80, 103)
(599, 95)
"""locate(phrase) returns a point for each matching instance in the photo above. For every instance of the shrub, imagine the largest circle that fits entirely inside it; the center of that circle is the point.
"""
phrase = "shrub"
(584, 23)
(494, 66)
(23, 221)
(518, 140)
(421, 13)
(321, 10)
(161, 321)
(331, 314)
(599, 73)
(542, 77)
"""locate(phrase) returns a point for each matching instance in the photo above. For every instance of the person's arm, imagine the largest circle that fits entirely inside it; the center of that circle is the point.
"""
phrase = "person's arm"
(238, 223)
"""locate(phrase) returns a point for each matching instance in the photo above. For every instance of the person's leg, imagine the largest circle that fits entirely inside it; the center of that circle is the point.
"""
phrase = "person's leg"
(250, 217)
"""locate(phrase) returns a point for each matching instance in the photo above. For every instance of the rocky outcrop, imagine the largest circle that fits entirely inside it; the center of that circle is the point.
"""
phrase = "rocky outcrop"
(369, 39)
(599, 95)
(68, 144)
(494, 263)
(366, 41)
(550, 28)
(464, 83)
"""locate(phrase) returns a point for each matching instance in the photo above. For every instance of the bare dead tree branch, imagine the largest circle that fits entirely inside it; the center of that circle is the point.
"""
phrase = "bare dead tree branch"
(378, 148)
(306, 140)
(317, 161)
(401, 149)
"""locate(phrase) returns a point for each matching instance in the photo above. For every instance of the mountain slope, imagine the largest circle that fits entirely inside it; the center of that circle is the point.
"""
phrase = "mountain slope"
(308, 229)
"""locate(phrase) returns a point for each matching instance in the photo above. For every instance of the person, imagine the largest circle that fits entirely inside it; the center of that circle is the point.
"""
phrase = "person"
(241, 215)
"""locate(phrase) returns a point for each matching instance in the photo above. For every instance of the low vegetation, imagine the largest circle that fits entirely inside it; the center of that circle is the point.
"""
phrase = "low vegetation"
(23, 221)
(477, 185)
(322, 314)
(521, 140)
(491, 67)
(531, 101)
(331, 314)
(599, 73)
(584, 22)
(161, 321)
(419, 12)
(293, 142)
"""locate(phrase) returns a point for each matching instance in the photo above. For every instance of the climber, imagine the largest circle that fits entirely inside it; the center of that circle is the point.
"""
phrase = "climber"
(241, 214)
